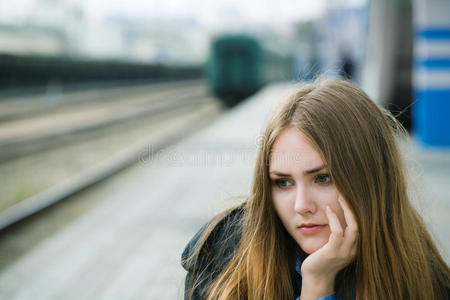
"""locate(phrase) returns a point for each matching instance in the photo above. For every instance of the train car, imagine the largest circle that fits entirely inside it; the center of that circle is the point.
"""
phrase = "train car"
(19, 71)
(239, 65)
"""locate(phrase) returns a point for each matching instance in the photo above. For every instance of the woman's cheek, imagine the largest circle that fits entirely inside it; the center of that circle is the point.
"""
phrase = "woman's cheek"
(331, 198)
(326, 196)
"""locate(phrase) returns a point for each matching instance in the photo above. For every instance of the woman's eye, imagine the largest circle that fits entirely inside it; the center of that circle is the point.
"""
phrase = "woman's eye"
(283, 183)
(323, 178)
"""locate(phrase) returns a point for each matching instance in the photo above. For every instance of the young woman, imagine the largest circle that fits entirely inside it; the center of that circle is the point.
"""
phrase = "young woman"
(328, 216)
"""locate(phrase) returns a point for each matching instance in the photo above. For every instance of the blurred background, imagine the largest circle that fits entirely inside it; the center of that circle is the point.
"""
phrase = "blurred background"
(112, 110)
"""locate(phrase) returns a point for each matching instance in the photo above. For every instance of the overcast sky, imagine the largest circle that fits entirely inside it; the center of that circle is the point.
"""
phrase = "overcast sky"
(208, 12)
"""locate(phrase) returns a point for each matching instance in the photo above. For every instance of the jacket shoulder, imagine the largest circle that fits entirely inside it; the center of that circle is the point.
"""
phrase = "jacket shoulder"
(220, 243)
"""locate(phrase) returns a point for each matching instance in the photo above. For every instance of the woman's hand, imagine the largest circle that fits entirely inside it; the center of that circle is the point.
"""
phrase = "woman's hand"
(320, 268)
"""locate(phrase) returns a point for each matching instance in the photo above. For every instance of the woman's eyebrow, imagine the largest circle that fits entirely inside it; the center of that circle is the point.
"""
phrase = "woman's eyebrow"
(279, 174)
(311, 171)
(314, 170)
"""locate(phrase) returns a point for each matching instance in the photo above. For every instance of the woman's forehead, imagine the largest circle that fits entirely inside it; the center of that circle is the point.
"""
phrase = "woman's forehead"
(292, 150)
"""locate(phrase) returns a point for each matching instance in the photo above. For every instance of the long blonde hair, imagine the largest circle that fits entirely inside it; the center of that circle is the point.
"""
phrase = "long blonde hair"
(396, 257)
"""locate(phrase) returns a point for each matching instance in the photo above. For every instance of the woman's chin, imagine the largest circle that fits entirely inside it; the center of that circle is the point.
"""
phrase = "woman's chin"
(310, 248)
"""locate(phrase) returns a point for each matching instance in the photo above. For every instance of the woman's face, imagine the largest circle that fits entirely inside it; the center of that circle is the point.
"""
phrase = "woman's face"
(302, 189)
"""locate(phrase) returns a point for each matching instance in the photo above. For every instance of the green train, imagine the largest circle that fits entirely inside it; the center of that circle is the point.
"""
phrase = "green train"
(239, 65)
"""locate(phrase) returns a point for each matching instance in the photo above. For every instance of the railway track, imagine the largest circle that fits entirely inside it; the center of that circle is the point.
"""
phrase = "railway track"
(16, 106)
(80, 145)
(24, 136)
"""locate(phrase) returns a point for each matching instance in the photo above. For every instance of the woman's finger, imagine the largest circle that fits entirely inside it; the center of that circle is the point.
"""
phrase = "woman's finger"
(351, 231)
(337, 233)
(350, 219)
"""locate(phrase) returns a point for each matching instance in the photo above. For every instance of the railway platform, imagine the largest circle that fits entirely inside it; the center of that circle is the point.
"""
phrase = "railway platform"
(123, 238)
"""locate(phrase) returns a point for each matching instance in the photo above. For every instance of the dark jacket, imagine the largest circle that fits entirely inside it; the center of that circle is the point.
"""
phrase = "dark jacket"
(215, 254)
(217, 251)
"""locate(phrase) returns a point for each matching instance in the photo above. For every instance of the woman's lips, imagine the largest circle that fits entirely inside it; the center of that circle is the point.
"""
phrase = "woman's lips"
(311, 228)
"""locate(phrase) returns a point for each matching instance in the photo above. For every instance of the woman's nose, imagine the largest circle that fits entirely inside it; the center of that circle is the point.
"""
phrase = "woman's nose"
(304, 202)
